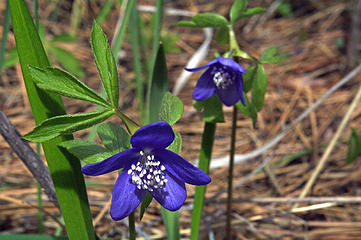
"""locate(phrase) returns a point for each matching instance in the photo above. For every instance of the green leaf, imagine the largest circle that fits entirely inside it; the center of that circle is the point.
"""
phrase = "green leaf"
(176, 145)
(248, 78)
(145, 203)
(61, 82)
(171, 109)
(270, 56)
(185, 24)
(211, 109)
(65, 38)
(11, 58)
(67, 60)
(238, 7)
(354, 147)
(113, 137)
(159, 86)
(30, 236)
(86, 151)
(64, 168)
(66, 124)
(222, 35)
(209, 20)
(259, 87)
(105, 62)
(249, 12)
(248, 110)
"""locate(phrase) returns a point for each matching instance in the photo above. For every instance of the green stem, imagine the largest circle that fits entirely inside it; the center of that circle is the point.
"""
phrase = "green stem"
(204, 161)
(129, 123)
(40, 203)
(230, 175)
(132, 233)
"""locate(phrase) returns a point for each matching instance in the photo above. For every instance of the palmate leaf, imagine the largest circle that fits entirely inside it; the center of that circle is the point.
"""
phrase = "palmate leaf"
(86, 151)
(66, 124)
(60, 82)
(171, 109)
(238, 7)
(248, 110)
(209, 20)
(114, 138)
(259, 85)
(211, 109)
(105, 62)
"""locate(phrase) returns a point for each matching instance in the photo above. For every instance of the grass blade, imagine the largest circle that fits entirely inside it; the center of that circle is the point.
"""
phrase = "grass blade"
(64, 168)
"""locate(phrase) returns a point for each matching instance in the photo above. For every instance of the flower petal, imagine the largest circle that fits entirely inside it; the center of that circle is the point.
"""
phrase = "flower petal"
(231, 64)
(126, 196)
(231, 95)
(181, 168)
(203, 67)
(155, 135)
(205, 87)
(172, 195)
(117, 161)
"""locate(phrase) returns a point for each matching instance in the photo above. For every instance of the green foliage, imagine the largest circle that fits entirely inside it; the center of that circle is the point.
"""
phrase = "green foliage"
(171, 109)
(105, 62)
(259, 84)
(285, 8)
(238, 7)
(67, 60)
(204, 20)
(145, 203)
(69, 184)
(354, 147)
(270, 56)
(249, 12)
(60, 82)
(86, 151)
(158, 86)
(30, 236)
(114, 138)
(249, 110)
(176, 145)
(222, 35)
(66, 124)
(211, 109)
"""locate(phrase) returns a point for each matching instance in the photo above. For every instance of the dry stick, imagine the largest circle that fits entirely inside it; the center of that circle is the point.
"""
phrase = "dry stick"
(244, 157)
(309, 200)
(29, 157)
(332, 144)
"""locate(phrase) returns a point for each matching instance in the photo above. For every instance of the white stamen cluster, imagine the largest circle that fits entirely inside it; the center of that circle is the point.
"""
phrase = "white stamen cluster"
(148, 173)
(222, 78)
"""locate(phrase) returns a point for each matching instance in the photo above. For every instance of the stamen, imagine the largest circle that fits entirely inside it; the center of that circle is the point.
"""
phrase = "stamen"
(148, 174)
(222, 78)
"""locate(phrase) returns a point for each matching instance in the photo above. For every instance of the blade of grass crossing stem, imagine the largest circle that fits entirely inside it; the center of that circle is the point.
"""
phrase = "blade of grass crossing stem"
(119, 34)
(153, 58)
(204, 161)
(158, 87)
(6, 27)
(134, 40)
(64, 168)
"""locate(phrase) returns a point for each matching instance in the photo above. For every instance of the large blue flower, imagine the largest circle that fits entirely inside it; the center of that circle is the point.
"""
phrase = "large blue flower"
(224, 77)
(148, 166)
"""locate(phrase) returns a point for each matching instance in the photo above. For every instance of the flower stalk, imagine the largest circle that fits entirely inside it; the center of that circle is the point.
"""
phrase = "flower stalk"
(230, 175)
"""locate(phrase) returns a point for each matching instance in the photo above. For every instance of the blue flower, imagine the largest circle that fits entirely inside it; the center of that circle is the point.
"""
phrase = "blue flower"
(148, 166)
(224, 77)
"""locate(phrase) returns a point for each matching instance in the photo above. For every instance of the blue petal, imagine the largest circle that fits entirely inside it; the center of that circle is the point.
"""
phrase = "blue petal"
(155, 135)
(241, 91)
(117, 161)
(203, 67)
(126, 196)
(172, 195)
(205, 87)
(231, 95)
(181, 168)
(231, 64)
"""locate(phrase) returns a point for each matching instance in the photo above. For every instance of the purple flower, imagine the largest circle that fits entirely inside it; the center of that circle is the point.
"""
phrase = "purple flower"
(224, 77)
(148, 166)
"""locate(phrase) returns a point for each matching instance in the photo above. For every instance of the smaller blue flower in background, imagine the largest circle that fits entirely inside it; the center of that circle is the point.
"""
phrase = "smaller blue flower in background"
(224, 77)
(148, 166)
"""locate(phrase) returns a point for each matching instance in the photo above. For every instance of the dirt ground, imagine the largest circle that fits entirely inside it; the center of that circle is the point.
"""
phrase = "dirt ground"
(315, 37)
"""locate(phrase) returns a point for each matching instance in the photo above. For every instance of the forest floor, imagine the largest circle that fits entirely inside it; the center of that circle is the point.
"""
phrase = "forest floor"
(315, 37)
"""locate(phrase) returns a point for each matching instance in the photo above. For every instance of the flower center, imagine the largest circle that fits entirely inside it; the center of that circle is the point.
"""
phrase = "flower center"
(148, 173)
(222, 78)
